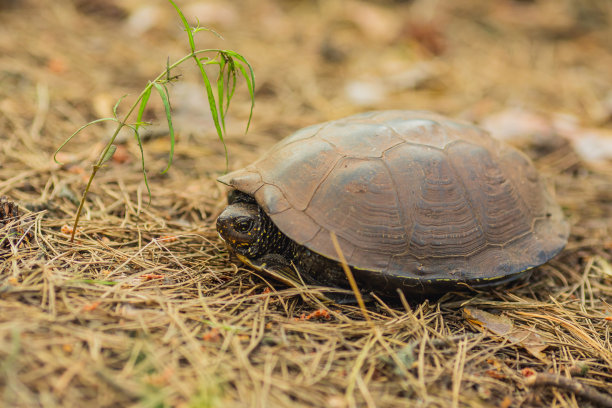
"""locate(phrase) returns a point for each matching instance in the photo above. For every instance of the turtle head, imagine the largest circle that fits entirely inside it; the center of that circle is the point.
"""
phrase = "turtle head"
(240, 225)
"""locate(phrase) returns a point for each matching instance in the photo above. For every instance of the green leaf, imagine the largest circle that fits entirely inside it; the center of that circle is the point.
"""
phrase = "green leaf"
(186, 25)
(249, 77)
(221, 90)
(213, 108)
(227, 76)
(163, 93)
(231, 72)
(143, 104)
(92, 281)
(109, 153)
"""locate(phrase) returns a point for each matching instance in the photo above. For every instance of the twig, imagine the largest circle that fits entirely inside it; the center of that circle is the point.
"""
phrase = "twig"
(571, 385)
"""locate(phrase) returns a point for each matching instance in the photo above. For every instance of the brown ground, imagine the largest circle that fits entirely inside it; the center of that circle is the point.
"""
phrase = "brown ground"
(145, 308)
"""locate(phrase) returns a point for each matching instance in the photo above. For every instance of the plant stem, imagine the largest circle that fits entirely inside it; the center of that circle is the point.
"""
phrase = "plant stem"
(121, 123)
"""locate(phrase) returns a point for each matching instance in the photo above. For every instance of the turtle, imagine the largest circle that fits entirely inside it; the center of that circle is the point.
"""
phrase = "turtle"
(418, 202)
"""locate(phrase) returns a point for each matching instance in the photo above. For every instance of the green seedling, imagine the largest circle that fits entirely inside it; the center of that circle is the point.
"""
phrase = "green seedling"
(231, 65)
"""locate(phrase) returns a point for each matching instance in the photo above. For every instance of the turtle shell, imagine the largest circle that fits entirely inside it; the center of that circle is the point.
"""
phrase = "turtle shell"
(409, 194)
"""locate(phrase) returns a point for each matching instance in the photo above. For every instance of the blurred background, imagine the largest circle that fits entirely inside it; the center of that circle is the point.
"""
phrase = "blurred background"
(525, 69)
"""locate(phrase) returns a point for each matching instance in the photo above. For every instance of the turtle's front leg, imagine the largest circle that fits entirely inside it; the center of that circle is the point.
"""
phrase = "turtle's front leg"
(280, 268)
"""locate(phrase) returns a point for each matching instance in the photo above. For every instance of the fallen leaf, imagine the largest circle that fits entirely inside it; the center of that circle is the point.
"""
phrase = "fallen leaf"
(518, 126)
(532, 342)
(527, 372)
(503, 327)
(151, 276)
(496, 324)
(91, 306)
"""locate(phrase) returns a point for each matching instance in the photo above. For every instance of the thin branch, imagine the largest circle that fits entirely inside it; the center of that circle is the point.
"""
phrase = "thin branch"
(569, 384)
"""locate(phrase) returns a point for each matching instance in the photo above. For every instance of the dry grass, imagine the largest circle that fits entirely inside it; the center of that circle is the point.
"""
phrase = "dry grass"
(145, 308)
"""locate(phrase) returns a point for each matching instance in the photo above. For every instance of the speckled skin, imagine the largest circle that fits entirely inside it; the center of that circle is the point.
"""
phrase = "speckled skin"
(252, 235)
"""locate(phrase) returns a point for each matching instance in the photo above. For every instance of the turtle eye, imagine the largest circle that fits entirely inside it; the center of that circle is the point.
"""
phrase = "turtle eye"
(244, 225)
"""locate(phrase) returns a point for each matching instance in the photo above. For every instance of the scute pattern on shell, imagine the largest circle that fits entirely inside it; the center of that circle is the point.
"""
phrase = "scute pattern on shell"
(409, 194)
